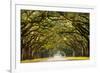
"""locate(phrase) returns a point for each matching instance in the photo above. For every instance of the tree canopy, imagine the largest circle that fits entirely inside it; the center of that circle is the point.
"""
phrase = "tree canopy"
(43, 33)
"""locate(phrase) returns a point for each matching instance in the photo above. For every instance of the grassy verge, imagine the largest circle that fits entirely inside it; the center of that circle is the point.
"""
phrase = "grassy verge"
(46, 59)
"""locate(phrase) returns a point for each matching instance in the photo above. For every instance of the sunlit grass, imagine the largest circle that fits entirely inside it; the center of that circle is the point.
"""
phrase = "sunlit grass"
(46, 59)
(77, 58)
(34, 60)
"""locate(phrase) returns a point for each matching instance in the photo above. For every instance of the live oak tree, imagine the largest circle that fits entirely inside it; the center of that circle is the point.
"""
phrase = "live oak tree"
(43, 33)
